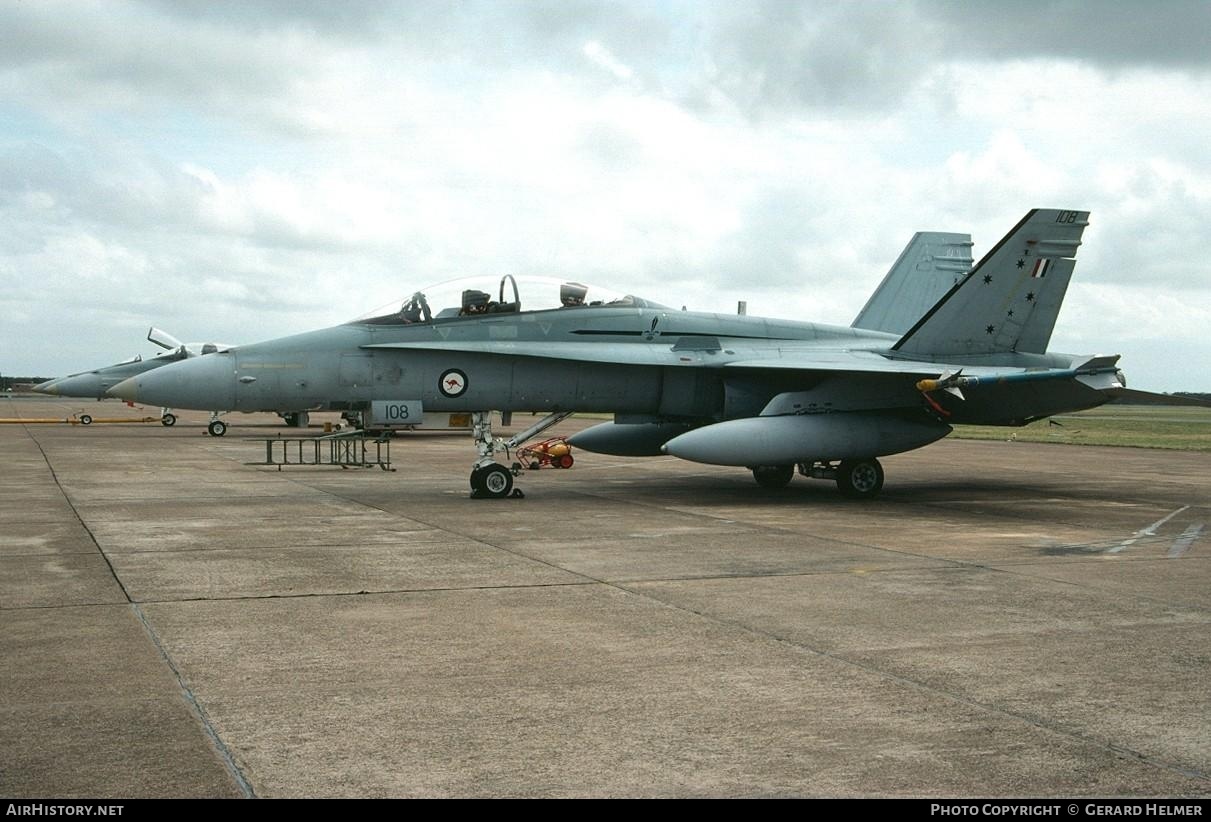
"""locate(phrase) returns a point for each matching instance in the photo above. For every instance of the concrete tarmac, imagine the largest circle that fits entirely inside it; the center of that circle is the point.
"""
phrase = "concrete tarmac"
(1007, 619)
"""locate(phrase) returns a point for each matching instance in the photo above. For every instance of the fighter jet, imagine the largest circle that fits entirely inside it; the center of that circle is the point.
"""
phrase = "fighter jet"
(96, 383)
(771, 395)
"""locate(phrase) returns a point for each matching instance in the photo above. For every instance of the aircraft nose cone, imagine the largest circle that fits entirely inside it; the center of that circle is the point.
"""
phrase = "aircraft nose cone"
(48, 387)
(127, 390)
(202, 383)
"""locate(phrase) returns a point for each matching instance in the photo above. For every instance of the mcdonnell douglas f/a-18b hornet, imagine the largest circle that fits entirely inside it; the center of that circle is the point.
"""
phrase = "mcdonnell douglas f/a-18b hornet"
(96, 383)
(774, 396)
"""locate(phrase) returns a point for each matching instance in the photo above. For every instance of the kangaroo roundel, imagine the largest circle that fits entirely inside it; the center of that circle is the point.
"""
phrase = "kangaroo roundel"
(452, 383)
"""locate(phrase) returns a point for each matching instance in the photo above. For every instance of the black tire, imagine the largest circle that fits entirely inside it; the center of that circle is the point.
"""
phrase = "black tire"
(168, 420)
(85, 419)
(495, 482)
(773, 476)
(860, 479)
(291, 419)
(477, 485)
(217, 428)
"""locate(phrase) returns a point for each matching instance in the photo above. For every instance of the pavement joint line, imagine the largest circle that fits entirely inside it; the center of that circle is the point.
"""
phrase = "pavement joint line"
(58, 606)
(188, 695)
(252, 547)
(207, 726)
(67, 498)
(84, 553)
(384, 592)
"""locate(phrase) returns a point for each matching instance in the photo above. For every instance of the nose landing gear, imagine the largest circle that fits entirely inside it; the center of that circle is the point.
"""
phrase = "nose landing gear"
(490, 479)
(216, 427)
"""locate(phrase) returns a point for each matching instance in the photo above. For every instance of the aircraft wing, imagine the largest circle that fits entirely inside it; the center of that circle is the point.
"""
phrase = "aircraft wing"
(777, 355)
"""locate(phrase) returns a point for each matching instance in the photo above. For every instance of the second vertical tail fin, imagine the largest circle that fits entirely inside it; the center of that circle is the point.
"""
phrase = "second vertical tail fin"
(928, 267)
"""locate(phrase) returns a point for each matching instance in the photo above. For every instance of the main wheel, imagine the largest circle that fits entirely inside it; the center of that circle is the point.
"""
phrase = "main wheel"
(495, 482)
(773, 476)
(217, 428)
(861, 479)
(168, 420)
(291, 419)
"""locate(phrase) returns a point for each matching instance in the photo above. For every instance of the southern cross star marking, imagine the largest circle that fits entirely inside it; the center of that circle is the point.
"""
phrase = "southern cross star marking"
(1030, 297)
(1011, 312)
(990, 329)
(987, 279)
(1021, 263)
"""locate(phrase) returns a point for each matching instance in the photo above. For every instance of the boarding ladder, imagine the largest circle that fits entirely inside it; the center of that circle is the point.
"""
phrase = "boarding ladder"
(345, 449)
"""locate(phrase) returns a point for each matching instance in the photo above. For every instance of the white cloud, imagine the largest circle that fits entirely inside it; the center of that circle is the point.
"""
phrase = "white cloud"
(600, 56)
(248, 170)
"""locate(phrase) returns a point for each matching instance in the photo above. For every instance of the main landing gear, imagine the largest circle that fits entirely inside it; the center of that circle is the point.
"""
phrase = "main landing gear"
(859, 479)
(490, 479)
(773, 476)
(296, 419)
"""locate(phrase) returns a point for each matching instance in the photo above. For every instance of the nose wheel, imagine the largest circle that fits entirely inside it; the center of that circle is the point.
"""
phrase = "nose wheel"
(492, 482)
(216, 427)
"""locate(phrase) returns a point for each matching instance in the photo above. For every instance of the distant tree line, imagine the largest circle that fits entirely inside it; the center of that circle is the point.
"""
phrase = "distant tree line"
(9, 383)
(1143, 401)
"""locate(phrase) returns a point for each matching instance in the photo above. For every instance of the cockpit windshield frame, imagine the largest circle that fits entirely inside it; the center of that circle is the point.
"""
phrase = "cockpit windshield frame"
(486, 295)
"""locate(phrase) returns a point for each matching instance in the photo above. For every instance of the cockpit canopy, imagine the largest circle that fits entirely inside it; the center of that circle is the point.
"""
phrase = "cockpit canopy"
(474, 296)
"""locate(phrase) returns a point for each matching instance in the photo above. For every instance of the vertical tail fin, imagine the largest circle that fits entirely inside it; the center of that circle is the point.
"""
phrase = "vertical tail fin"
(1010, 300)
(929, 266)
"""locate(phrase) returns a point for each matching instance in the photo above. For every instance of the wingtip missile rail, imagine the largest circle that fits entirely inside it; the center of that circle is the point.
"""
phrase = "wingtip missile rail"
(1099, 372)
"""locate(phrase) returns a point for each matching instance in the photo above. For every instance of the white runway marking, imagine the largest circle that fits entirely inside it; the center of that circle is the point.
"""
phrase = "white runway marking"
(1183, 543)
(1150, 531)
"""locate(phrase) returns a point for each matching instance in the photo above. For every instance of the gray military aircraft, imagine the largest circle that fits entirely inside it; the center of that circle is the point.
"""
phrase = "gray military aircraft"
(95, 384)
(771, 395)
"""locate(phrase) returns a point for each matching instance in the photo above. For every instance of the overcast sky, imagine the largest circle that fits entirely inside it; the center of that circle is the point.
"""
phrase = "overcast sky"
(236, 171)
